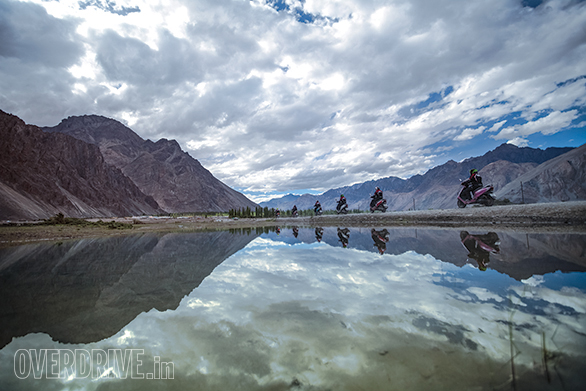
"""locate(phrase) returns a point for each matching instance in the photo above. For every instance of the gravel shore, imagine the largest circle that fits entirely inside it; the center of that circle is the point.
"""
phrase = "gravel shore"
(545, 217)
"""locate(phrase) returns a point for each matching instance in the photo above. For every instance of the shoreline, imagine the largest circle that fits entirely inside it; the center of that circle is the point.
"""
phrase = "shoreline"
(559, 217)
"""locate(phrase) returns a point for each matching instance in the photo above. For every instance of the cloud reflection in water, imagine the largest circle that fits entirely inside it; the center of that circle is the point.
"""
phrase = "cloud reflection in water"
(283, 314)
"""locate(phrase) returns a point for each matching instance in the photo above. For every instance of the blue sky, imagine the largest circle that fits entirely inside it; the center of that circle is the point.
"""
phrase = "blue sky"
(303, 96)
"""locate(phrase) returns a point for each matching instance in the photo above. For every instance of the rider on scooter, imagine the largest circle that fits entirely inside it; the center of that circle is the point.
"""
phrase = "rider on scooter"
(317, 210)
(473, 183)
(341, 203)
(378, 195)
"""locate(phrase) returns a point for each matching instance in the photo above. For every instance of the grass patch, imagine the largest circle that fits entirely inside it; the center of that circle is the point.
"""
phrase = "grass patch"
(60, 219)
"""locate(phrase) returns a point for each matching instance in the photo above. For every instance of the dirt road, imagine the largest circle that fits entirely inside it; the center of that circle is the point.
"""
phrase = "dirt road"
(559, 217)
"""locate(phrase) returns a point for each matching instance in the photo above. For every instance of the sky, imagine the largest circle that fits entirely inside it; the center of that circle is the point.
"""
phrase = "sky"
(296, 96)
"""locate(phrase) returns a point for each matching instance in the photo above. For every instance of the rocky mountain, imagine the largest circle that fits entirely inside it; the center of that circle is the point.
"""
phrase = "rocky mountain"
(42, 174)
(178, 182)
(437, 188)
(521, 255)
(560, 179)
(85, 291)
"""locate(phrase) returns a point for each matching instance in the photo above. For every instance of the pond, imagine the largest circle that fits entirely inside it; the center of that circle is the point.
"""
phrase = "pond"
(296, 308)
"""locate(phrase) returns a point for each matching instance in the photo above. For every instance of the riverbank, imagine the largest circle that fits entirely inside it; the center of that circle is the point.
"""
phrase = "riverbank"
(546, 217)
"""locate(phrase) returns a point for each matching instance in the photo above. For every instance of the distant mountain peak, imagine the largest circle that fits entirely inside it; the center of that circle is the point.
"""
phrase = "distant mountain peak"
(42, 174)
(95, 129)
(161, 169)
(90, 120)
(438, 186)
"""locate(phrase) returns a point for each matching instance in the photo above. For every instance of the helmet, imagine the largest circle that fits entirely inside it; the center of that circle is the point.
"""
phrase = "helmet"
(377, 188)
(341, 195)
(473, 171)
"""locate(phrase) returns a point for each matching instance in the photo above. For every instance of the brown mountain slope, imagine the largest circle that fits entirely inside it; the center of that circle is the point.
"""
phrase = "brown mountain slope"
(178, 182)
(437, 188)
(42, 174)
(560, 179)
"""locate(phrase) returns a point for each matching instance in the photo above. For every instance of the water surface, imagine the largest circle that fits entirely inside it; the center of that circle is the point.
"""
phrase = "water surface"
(308, 309)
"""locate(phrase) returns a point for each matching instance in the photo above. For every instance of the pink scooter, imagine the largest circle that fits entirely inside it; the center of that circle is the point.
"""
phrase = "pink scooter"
(481, 196)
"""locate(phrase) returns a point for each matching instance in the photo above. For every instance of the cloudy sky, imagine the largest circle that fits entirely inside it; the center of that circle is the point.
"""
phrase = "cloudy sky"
(305, 95)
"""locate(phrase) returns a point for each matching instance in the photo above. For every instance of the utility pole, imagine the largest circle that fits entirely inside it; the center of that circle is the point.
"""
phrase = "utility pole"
(413, 203)
(522, 195)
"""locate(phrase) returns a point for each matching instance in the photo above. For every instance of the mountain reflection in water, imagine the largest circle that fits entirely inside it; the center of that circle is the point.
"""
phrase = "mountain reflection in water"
(87, 290)
(320, 309)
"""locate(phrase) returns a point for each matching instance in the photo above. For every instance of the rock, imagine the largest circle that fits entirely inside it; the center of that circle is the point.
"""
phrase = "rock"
(42, 174)
(177, 181)
(560, 179)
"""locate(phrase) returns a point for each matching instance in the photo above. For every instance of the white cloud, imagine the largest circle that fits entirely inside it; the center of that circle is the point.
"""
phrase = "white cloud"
(519, 142)
(496, 126)
(246, 88)
(469, 133)
(550, 124)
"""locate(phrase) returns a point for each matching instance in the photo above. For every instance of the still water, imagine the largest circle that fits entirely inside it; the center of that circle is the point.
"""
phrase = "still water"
(296, 308)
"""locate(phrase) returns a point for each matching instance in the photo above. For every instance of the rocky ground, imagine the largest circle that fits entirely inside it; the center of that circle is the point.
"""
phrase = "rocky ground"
(559, 217)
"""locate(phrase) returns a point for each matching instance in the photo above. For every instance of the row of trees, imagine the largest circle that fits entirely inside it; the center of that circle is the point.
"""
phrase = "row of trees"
(271, 213)
(249, 213)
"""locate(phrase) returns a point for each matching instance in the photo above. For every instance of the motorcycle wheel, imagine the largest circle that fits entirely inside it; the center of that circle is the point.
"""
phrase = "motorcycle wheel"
(492, 237)
(487, 200)
(461, 204)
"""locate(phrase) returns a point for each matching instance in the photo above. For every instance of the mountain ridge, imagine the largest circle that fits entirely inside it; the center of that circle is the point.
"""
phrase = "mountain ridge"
(437, 188)
(43, 174)
(562, 178)
(177, 181)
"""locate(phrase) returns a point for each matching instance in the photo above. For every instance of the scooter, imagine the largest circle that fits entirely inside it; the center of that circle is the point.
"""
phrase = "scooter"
(319, 234)
(318, 211)
(480, 247)
(344, 236)
(342, 208)
(379, 205)
(380, 239)
(489, 242)
(481, 196)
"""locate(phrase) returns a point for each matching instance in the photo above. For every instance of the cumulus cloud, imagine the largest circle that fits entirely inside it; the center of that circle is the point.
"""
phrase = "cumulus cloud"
(469, 133)
(519, 142)
(284, 95)
(549, 124)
